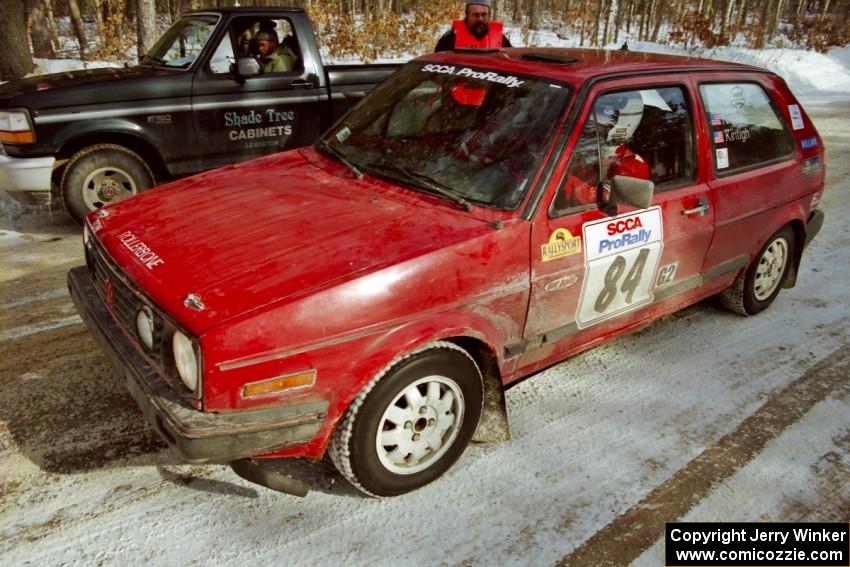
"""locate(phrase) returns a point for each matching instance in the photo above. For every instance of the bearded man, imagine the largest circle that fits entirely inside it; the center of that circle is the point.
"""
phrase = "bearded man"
(474, 31)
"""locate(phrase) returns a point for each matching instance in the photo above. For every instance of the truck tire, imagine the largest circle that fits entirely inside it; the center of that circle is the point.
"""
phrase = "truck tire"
(411, 422)
(102, 174)
(756, 288)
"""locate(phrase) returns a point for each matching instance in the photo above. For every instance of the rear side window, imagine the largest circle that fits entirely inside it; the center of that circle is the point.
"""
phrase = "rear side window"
(746, 130)
(643, 133)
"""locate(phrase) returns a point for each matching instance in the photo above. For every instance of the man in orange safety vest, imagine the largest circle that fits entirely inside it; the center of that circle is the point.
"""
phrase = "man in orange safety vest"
(474, 31)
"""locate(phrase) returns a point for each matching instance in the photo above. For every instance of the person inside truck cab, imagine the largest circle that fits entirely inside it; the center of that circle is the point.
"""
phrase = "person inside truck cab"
(273, 56)
(474, 31)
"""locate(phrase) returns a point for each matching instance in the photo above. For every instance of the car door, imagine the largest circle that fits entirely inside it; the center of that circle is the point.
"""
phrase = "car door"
(595, 273)
(240, 118)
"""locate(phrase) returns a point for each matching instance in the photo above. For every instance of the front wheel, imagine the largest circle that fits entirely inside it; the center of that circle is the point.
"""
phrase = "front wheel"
(757, 287)
(411, 423)
(102, 174)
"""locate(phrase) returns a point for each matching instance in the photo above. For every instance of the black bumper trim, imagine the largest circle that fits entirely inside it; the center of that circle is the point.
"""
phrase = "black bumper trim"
(199, 437)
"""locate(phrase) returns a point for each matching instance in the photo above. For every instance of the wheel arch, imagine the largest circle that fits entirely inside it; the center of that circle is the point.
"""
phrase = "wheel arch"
(132, 141)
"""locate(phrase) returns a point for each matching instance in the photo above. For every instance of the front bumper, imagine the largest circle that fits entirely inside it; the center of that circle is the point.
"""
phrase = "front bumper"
(25, 174)
(199, 437)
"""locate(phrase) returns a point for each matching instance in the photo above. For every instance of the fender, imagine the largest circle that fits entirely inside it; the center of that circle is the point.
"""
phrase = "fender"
(76, 130)
(377, 355)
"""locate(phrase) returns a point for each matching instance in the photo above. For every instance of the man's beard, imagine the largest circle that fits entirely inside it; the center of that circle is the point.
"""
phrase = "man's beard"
(479, 29)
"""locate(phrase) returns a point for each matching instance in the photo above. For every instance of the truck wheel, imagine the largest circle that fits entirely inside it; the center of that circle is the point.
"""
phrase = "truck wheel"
(756, 288)
(102, 174)
(411, 422)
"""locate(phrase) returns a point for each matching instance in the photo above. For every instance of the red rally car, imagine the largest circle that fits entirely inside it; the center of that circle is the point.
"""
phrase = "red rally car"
(480, 216)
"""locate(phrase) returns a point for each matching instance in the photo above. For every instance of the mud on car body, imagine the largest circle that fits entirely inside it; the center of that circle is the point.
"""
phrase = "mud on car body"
(479, 217)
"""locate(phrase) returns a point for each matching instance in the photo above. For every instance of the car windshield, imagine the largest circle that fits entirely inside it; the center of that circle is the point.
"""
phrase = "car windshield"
(182, 43)
(470, 134)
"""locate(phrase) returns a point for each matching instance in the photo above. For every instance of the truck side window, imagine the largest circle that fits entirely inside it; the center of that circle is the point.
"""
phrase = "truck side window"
(223, 57)
(644, 133)
(746, 130)
(245, 34)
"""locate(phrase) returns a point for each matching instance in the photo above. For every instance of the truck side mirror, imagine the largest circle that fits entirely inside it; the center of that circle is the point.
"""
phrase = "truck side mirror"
(247, 67)
(630, 191)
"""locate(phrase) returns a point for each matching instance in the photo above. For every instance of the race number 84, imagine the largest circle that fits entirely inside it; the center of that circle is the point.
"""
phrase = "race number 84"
(612, 280)
(618, 283)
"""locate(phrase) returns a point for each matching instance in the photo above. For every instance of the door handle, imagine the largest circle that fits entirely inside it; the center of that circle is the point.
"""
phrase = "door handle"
(701, 209)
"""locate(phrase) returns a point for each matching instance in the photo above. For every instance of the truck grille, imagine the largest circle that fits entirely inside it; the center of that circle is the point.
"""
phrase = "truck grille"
(124, 301)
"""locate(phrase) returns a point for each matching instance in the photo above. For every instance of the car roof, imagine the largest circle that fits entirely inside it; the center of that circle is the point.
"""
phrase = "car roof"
(578, 66)
(245, 10)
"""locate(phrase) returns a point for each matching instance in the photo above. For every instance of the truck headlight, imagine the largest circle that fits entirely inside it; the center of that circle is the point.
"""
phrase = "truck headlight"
(185, 359)
(145, 327)
(15, 127)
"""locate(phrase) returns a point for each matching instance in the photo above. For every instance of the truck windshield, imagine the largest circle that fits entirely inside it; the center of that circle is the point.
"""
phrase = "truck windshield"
(478, 134)
(182, 43)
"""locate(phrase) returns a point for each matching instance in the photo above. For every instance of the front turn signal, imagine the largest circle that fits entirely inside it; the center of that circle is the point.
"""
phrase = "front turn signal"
(279, 384)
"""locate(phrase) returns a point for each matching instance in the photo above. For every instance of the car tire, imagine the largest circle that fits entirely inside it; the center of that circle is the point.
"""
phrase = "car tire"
(411, 422)
(102, 174)
(757, 287)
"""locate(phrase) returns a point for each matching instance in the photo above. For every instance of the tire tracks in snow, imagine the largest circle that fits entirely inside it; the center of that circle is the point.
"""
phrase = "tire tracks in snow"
(639, 527)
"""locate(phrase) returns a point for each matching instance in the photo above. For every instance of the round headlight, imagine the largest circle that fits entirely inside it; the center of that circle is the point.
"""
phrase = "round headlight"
(144, 327)
(184, 359)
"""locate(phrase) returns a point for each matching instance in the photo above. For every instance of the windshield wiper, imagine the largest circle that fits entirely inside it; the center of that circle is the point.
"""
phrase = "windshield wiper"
(325, 145)
(423, 182)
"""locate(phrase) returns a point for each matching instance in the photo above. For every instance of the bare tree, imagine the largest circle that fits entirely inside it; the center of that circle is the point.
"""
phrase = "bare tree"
(42, 46)
(145, 25)
(16, 61)
(77, 21)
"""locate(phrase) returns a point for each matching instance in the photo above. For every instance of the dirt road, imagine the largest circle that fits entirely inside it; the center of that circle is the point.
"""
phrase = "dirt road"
(702, 416)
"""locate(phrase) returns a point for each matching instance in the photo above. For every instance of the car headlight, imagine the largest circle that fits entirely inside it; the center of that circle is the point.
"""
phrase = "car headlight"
(15, 127)
(145, 327)
(185, 359)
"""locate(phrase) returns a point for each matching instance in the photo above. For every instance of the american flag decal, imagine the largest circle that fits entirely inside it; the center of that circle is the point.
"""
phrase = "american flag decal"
(718, 138)
(716, 120)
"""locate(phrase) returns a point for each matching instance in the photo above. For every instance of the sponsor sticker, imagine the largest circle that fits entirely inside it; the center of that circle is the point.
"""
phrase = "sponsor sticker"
(140, 250)
(621, 261)
(561, 243)
(796, 116)
(809, 143)
(811, 166)
(722, 158)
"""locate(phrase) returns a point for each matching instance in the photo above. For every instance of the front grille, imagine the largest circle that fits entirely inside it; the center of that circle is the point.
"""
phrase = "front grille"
(124, 301)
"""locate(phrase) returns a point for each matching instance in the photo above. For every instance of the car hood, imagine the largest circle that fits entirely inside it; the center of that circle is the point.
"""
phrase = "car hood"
(273, 229)
(85, 86)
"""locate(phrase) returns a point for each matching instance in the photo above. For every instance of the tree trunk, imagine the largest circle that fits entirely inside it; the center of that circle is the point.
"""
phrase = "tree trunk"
(16, 60)
(145, 25)
(39, 31)
(77, 21)
(51, 24)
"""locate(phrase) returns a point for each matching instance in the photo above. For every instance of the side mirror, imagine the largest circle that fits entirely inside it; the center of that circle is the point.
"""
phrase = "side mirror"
(628, 191)
(247, 67)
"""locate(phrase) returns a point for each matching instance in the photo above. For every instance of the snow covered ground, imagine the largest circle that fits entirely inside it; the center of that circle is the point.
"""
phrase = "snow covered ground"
(702, 416)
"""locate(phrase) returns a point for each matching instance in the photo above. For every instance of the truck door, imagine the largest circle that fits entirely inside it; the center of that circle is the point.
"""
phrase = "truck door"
(592, 273)
(241, 118)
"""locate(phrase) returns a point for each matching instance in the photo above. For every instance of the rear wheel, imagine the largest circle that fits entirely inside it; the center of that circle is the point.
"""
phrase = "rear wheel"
(102, 174)
(757, 287)
(411, 423)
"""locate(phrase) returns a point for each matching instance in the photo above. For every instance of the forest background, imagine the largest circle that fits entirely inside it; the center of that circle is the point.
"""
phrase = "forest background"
(366, 30)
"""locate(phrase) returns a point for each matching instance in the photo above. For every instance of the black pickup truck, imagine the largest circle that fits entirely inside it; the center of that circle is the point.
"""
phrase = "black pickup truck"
(197, 100)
